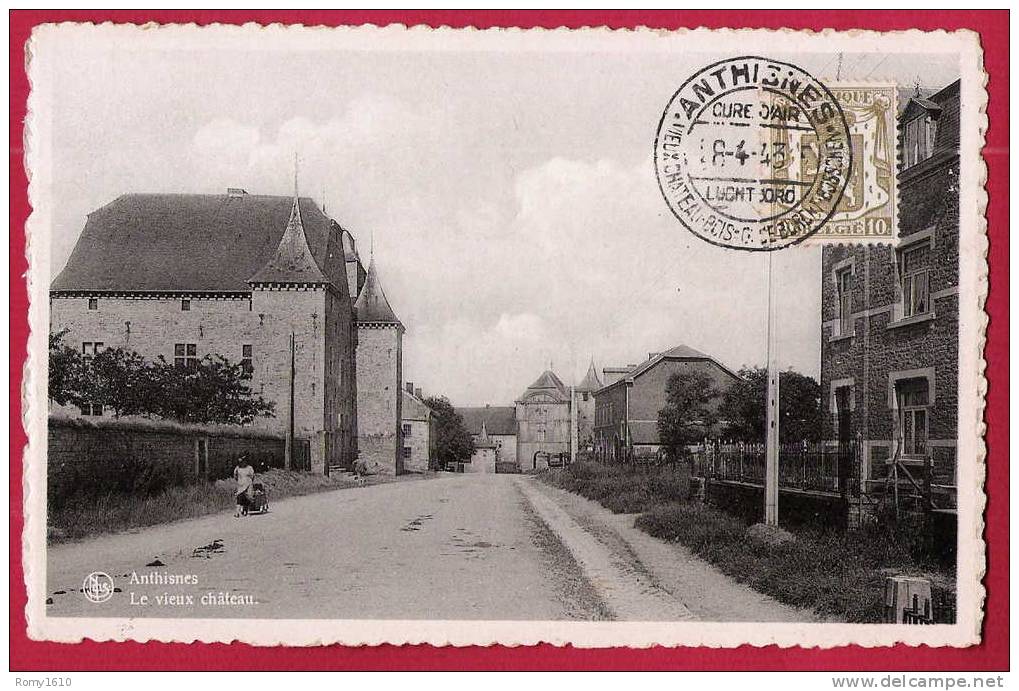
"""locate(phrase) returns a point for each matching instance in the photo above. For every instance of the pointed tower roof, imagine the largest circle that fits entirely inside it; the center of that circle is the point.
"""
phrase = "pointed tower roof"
(484, 441)
(591, 381)
(548, 384)
(293, 261)
(372, 305)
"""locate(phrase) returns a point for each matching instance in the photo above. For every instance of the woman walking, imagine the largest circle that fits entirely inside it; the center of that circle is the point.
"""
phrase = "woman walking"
(244, 474)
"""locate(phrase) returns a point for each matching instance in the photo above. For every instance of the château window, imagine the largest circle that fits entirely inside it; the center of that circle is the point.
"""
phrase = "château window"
(843, 279)
(406, 430)
(89, 349)
(913, 400)
(914, 276)
(93, 303)
(585, 395)
(406, 452)
(185, 355)
(247, 359)
(919, 139)
(185, 305)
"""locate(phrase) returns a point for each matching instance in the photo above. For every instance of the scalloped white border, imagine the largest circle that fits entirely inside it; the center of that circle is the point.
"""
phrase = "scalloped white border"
(973, 275)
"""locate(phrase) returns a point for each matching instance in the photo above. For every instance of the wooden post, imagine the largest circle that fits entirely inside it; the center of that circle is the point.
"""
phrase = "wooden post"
(288, 447)
(771, 453)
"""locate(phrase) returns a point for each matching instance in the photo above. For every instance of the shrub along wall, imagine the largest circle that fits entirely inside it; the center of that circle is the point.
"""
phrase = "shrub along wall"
(92, 458)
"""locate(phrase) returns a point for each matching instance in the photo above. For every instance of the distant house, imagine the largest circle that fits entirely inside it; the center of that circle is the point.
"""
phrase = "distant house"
(485, 455)
(498, 423)
(890, 315)
(543, 421)
(417, 431)
(626, 410)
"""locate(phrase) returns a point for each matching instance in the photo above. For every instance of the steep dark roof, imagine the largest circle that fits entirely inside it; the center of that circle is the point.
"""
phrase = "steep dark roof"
(372, 305)
(548, 383)
(501, 420)
(680, 352)
(591, 381)
(192, 242)
(293, 261)
(414, 408)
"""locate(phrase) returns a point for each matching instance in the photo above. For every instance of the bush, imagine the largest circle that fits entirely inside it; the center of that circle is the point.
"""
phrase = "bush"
(624, 489)
(835, 574)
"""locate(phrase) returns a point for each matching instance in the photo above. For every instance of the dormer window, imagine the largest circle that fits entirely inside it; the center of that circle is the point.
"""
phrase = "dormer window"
(918, 139)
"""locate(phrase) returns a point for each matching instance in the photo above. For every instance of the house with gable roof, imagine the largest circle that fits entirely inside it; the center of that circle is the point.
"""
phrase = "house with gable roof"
(626, 409)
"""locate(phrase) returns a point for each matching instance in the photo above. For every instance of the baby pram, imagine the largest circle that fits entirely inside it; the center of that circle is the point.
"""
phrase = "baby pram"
(258, 501)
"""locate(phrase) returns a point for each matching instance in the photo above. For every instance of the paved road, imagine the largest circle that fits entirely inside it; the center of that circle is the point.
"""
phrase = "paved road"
(455, 547)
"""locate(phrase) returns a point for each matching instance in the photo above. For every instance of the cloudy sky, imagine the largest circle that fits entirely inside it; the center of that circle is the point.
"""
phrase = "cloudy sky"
(511, 195)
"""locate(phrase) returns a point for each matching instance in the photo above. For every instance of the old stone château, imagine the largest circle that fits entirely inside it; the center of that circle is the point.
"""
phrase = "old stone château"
(183, 276)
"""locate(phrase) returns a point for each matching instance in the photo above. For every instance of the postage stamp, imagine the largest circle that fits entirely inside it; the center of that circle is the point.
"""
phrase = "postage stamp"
(596, 338)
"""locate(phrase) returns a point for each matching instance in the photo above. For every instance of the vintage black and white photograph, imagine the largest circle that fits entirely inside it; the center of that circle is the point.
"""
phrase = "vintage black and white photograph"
(370, 335)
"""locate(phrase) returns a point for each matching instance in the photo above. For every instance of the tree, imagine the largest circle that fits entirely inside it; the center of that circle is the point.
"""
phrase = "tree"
(65, 371)
(454, 443)
(744, 411)
(121, 380)
(212, 390)
(689, 412)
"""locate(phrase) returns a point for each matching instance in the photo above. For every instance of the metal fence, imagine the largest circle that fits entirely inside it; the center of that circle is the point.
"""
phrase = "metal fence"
(815, 467)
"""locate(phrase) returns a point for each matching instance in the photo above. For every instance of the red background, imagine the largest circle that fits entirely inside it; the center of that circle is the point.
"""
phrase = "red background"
(992, 654)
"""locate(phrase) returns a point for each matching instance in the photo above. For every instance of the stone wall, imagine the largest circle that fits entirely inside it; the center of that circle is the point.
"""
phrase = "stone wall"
(379, 397)
(415, 438)
(95, 454)
(541, 427)
(483, 461)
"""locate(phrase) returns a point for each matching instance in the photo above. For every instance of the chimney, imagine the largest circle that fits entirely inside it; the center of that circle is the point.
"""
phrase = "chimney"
(236, 192)
(418, 392)
(410, 388)
(631, 365)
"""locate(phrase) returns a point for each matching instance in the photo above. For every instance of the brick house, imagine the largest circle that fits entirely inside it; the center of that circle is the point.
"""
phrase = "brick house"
(889, 332)
(418, 431)
(182, 276)
(626, 410)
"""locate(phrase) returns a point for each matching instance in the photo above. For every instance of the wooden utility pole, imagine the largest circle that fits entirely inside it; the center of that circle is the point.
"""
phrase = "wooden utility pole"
(288, 448)
(574, 440)
(772, 418)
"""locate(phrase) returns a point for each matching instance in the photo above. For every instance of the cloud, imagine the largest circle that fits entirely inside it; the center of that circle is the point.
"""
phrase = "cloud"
(591, 263)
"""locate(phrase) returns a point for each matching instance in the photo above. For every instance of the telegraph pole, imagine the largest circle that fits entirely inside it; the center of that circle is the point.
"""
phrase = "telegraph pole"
(288, 447)
(771, 454)
(573, 424)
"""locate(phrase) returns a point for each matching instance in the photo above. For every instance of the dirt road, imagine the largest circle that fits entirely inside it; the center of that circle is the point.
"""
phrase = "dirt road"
(458, 547)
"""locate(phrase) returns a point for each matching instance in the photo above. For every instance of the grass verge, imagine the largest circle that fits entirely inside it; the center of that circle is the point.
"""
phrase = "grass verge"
(838, 575)
(82, 516)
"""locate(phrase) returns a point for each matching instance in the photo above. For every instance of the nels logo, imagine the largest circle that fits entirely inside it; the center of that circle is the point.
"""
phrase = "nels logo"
(97, 587)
